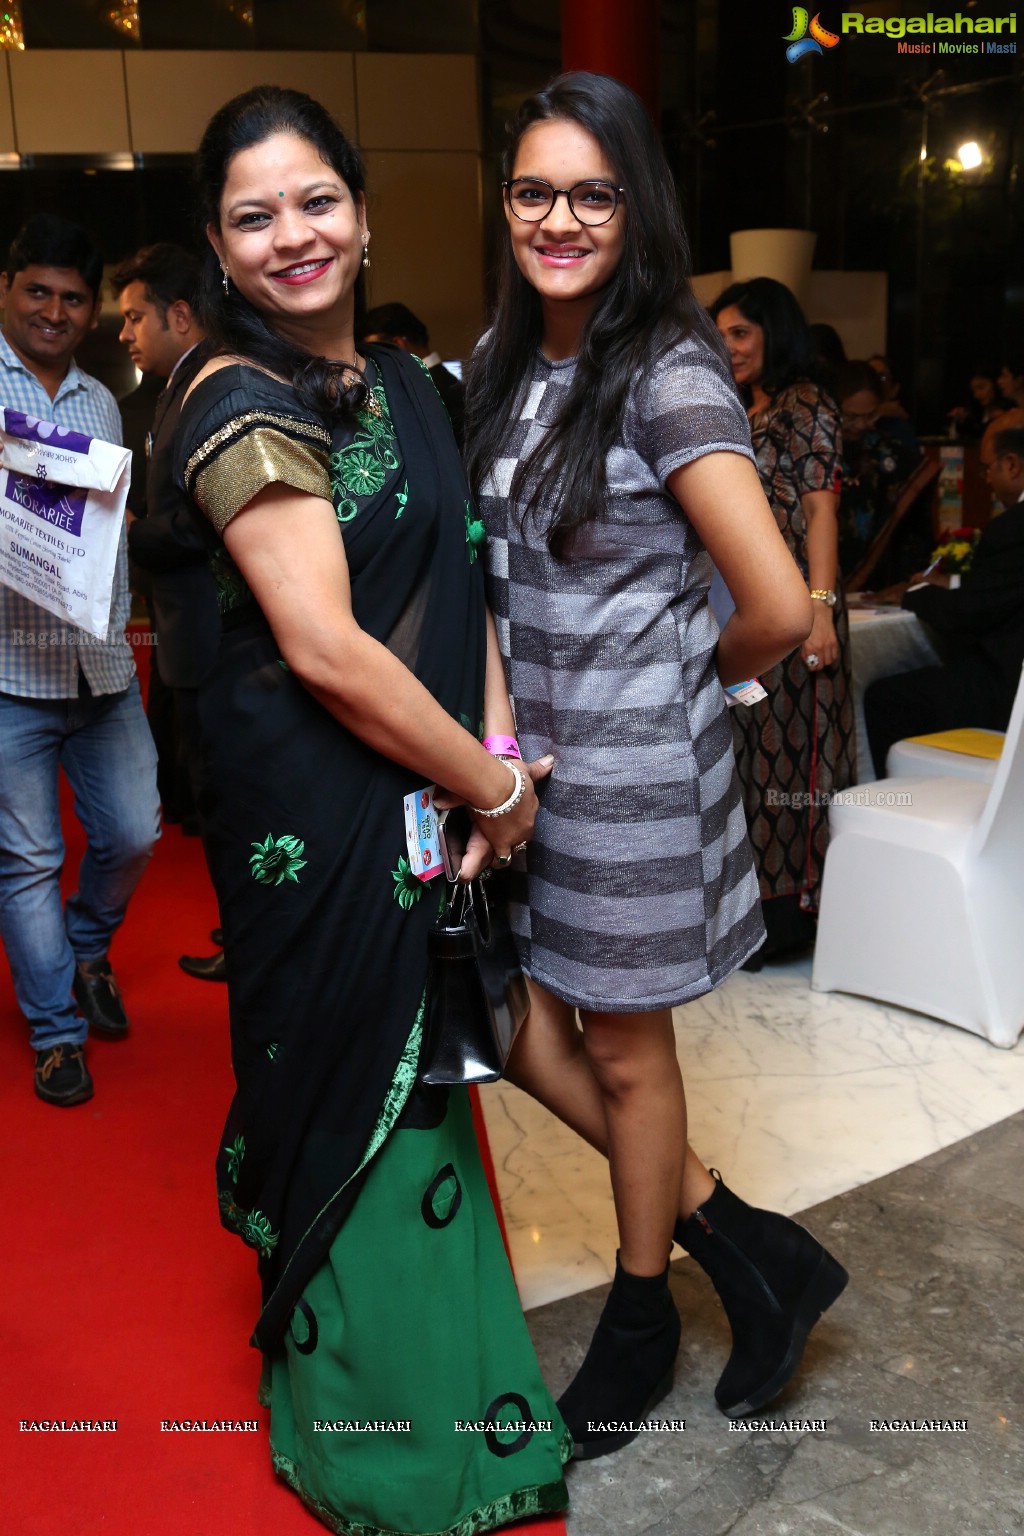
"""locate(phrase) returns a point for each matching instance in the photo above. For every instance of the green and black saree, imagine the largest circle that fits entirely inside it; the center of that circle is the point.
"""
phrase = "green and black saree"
(387, 1298)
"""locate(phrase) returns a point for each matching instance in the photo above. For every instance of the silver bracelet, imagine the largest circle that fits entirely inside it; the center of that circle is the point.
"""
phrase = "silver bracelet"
(513, 799)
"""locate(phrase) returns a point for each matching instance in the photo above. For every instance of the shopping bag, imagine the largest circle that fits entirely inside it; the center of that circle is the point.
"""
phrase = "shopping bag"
(62, 500)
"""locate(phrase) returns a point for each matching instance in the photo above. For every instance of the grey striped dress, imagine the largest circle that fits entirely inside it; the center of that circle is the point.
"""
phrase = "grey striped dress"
(638, 891)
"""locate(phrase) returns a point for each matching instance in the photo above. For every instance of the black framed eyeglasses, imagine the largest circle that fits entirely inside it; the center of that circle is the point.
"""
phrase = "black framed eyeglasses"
(590, 202)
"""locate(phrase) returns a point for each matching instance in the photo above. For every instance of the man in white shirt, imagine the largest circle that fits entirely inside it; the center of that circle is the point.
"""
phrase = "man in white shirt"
(66, 700)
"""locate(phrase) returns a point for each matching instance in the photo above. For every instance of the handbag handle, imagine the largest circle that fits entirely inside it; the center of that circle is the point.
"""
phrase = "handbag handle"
(463, 896)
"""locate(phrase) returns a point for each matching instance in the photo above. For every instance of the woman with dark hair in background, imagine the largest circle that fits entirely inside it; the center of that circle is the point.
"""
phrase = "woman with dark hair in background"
(985, 404)
(613, 465)
(354, 643)
(829, 353)
(795, 748)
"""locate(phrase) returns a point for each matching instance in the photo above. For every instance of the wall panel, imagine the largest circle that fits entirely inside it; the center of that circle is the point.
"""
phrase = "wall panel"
(856, 303)
(413, 100)
(424, 216)
(7, 140)
(172, 95)
(69, 101)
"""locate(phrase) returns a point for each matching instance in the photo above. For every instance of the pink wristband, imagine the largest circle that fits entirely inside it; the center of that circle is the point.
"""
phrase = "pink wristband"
(503, 746)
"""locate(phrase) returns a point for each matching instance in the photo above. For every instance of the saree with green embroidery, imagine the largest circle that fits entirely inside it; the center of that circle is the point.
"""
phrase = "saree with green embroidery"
(404, 1392)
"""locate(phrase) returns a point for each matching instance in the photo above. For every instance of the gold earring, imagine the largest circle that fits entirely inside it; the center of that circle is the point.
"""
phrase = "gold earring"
(366, 250)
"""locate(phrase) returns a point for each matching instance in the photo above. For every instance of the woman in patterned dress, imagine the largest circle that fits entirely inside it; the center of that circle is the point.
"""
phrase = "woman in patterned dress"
(612, 462)
(795, 748)
(353, 645)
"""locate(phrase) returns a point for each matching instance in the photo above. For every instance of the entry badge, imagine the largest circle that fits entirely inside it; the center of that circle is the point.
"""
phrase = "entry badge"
(421, 834)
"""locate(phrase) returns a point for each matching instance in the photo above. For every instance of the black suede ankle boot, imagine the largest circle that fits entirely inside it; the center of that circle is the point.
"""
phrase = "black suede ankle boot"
(774, 1280)
(628, 1367)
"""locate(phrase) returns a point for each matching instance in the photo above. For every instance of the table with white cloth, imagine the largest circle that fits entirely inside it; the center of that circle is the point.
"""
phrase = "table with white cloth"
(882, 642)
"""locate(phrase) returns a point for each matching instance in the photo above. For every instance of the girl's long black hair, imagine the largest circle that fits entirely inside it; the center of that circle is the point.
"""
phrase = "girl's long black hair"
(234, 325)
(646, 308)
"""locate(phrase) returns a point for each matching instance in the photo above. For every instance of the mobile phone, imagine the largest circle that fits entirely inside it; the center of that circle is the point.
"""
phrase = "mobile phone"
(453, 835)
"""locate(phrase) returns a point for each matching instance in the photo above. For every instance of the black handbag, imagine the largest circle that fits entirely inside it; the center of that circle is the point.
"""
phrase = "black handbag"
(476, 992)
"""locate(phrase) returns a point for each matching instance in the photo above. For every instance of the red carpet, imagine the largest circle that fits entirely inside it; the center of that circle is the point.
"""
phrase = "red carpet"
(122, 1297)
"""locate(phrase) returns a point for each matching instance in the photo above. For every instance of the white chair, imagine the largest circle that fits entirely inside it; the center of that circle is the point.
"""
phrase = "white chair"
(926, 757)
(923, 895)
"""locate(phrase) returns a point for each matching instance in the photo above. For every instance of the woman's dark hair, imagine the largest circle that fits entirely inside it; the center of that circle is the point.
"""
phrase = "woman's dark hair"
(647, 306)
(829, 352)
(828, 344)
(789, 353)
(233, 324)
(855, 376)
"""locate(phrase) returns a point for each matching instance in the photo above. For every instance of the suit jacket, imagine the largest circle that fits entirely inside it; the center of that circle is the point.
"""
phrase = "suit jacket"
(137, 410)
(173, 544)
(453, 394)
(983, 620)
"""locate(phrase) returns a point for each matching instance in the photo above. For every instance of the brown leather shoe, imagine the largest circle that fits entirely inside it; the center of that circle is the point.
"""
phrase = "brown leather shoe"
(204, 967)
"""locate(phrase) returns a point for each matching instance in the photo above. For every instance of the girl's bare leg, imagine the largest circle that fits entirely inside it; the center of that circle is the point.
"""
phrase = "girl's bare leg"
(581, 1078)
(633, 1059)
(552, 1064)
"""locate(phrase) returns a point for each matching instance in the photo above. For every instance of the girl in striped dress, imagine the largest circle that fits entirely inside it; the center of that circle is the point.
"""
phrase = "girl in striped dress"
(612, 462)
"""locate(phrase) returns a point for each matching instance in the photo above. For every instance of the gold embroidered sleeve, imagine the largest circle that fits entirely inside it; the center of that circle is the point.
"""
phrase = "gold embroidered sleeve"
(262, 457)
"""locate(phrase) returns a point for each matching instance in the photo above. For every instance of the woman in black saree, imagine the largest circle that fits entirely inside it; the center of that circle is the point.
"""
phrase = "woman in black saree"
(350, 674)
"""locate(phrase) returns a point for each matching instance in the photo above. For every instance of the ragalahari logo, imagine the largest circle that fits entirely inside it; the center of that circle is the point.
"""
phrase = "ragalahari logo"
(800, 43)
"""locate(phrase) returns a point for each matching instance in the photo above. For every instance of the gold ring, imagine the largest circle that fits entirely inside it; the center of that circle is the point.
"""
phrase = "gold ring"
(501, 859)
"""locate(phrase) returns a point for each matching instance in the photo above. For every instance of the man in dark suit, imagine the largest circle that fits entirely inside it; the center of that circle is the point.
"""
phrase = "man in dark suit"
(979, 618)
(137, 409)
(397, 323)
(156, 291)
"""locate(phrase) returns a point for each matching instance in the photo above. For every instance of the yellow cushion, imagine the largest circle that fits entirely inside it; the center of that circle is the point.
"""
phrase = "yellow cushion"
(974, 743)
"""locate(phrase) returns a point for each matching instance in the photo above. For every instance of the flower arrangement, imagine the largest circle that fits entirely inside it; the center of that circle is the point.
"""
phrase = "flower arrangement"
(954, 555)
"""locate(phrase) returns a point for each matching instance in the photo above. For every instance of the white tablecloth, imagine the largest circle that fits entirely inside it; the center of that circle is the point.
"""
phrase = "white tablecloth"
(881, 644)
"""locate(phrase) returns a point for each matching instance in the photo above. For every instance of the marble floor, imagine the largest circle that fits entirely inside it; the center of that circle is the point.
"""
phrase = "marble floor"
(928, 1330)
(796, 1096)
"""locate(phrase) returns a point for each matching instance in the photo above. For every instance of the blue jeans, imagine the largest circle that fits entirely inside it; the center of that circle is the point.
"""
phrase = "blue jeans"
(104, 744)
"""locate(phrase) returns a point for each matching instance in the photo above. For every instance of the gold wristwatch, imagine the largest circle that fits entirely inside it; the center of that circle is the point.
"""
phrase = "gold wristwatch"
(824, 595)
